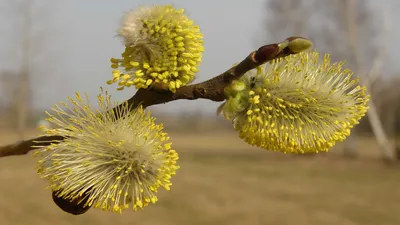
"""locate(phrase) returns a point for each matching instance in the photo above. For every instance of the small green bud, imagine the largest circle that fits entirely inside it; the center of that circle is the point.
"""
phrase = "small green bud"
(238, 86)
(234, 88)
(299, 45)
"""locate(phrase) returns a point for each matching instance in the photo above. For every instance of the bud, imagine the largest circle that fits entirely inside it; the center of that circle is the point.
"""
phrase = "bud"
(75, 207)
(299, 44)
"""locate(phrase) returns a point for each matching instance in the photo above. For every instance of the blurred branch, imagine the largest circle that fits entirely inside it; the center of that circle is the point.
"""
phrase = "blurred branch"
(377, 128)
(379, 132)
(212, 89)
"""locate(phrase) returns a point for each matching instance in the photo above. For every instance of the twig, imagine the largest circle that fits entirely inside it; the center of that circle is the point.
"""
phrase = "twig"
(212, 89)
(23, 147)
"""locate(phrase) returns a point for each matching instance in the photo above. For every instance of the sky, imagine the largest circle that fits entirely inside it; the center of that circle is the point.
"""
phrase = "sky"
(74, 41)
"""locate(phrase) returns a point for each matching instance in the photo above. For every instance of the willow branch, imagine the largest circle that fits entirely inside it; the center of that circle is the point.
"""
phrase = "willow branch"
(212, 89)
(23, 147)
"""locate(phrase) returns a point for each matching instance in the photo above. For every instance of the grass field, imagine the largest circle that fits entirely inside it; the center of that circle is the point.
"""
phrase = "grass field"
(224, 181)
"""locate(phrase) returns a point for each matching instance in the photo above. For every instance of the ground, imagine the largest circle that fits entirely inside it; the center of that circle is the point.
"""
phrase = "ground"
(224, 181)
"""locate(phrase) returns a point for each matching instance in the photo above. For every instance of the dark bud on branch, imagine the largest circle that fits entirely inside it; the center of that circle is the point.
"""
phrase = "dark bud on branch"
(287, 47)
(75, 207)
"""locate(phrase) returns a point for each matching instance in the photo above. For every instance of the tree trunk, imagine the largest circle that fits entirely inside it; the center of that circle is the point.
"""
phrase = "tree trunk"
(24, 89)
(383, 142)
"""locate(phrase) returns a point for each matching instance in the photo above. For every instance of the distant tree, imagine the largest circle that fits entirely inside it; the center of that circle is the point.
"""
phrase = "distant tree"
(9, 91)
(30, 33)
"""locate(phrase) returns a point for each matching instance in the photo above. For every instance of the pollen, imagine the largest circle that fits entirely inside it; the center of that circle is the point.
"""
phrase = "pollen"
(297, 104)
(163, 49)
(118, 158)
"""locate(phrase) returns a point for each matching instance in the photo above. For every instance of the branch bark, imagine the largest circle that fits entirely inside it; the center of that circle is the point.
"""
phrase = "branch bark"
(212, 89)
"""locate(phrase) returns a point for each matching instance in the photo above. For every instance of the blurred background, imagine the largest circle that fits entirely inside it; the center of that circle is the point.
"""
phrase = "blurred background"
(50, 49)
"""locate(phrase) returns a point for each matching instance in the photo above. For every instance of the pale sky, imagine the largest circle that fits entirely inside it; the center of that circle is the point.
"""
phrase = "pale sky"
(81, 39)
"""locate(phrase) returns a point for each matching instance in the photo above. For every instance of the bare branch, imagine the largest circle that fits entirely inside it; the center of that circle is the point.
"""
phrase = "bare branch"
(212, 89)
(23, 147)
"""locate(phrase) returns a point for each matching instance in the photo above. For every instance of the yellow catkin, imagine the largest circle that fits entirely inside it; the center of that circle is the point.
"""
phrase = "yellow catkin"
(118, 159)
(297, 104)
(163, 49)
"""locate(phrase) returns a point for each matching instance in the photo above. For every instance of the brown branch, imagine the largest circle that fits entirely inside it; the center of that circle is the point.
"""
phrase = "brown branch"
(212, 89)
(23, 147)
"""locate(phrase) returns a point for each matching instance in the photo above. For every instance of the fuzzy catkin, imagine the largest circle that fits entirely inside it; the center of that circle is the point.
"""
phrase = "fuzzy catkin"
(296, 105)
(163, 49)
(119, 159)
